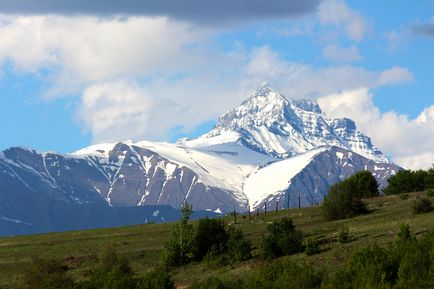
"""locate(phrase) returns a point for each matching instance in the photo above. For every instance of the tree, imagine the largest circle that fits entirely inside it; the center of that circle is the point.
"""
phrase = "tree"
(178, 248)
(282, 239)
(364, 184)
(211, 236)
(429, 179)
(239, 248)
(407, 181)
(342, 202)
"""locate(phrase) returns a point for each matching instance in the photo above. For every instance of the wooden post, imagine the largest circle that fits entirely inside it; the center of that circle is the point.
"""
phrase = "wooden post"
(299, 200)
(265, 208)
(249, 212)
(277, 206)
(289, 197)
(257, 213)
(235, 216)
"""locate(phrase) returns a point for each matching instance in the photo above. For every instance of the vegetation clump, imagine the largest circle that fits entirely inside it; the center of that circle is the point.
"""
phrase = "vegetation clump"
(179, 246)
(405, 263)
(210, 240)
(422, 205)
(341, 202)
(407, 181)
(282, 239)
(312, 246)
(344, 199)
(343, 235)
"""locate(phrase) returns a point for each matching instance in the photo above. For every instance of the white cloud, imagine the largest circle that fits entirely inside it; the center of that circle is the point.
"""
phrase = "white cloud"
(342, 54)
(340, 15)
(408, 141)
(395, 75)
(89, 49)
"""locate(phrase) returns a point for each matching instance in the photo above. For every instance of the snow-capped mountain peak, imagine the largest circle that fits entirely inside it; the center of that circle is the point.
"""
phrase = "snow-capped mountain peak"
(272, 124)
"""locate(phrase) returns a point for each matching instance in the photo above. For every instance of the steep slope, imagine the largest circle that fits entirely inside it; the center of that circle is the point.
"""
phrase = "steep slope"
(306, 178)
(127, 174)
(269, 123)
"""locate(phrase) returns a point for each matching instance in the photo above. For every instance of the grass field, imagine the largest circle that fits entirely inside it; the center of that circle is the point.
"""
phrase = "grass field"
(143, 244)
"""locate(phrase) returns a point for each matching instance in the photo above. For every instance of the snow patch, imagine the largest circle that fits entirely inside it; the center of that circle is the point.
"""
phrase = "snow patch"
(15, 221)
(276, 177)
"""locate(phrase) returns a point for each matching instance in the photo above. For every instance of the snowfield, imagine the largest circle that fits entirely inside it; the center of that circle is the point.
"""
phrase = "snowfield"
(276, 177)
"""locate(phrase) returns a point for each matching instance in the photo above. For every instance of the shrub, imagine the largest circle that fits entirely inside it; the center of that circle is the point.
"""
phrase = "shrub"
(210, 236)
(341, 202)
(364, 184)
(406, 181)
(285, 274)
(282, 239)
(405, 264)
(312, 246)
(111, 272)
(179, 245)
(430, 193)
(422, 205)
(215, 283)
(369, 268)
(343, 235)
(239, 248)
(156, 279)
(46, 274)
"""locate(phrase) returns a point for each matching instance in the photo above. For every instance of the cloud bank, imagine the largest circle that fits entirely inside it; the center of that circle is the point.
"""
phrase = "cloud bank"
(408, 141)
(187, 10)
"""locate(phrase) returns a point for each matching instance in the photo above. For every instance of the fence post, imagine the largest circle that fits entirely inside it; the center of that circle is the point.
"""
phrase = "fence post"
(289, 197)
(265, 208)
(277, 206)
(299, 200)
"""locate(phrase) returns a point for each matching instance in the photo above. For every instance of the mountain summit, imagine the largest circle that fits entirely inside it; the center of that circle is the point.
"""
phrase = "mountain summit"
(270, 149)
(269, 123)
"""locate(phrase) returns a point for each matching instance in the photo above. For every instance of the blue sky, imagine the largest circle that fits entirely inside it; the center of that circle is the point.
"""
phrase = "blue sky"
(72, 79)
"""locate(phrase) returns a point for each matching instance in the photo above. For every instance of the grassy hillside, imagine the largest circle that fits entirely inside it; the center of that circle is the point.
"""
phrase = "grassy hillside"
(143, 244)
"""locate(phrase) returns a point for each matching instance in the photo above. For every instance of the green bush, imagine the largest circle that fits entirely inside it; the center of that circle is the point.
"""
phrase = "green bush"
(430, 193)
(156, 279)
(285, 274)
(46, 274)
(341, 202)
(407, 181)
(282, 239)
(422, 205)
(111, 272)
(343, 235)
(312, 246)
(406, 263)
(215, 283)
(364, 184)
(211, 236)
(239, 248)
(369, 268)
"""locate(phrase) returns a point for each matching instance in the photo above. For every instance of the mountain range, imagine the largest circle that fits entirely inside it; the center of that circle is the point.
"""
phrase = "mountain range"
(270, 149)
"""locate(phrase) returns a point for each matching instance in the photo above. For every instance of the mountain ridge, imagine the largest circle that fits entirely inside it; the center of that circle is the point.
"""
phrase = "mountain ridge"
(231, 167)
(270, 123)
